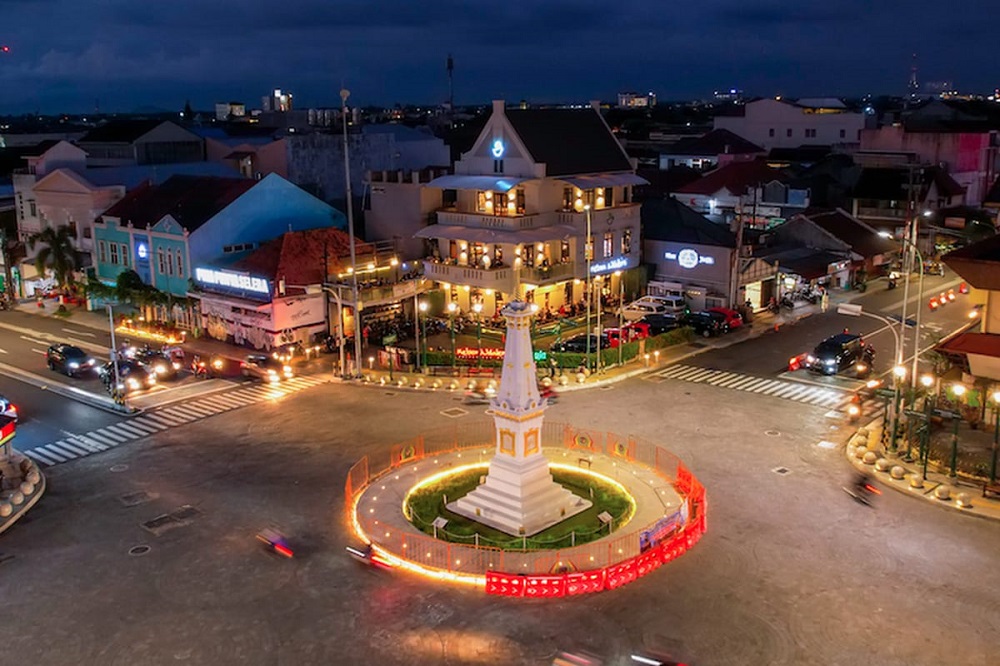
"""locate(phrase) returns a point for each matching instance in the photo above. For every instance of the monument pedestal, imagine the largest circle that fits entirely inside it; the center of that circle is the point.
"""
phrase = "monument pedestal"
(519, 497)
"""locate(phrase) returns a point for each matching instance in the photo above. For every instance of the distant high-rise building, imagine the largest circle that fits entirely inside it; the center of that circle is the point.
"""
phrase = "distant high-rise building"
(634, 100)
(913, 86)
(230, 110)
(277, 101)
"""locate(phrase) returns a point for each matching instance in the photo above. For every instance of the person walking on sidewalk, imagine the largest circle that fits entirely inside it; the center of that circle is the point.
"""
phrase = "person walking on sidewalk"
(365, 332)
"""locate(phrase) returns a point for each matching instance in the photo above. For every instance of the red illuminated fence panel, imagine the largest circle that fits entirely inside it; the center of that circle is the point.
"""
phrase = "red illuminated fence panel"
(544, 587)
(505, 585)
(357, 480)
(585, 582)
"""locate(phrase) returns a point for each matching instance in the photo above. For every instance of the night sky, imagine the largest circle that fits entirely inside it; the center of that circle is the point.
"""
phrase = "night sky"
(136, 54)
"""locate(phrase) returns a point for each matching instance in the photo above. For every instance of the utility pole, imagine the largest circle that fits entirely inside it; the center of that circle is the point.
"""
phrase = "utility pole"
(344, 94)
(8, 297)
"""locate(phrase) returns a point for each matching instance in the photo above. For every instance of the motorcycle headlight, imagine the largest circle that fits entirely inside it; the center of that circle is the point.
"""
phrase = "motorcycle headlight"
(132, 382)
(177, 366)
(161, 369)
(811, 359)
(90, 361)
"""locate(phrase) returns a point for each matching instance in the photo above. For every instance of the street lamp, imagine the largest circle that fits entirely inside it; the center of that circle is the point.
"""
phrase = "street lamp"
(478, 308)
(423, 349)
(959, 391)
(588, 251)
(452, 308)
(920, 294)
(621, 303)
(899, 374)
(927, 381)
(996, 436)
(344, 94)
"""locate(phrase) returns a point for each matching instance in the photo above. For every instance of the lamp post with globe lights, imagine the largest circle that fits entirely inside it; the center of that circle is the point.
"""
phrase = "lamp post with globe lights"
(898, 374)
(909, 244)
(959, 391)
(452, 309)
(478, 309)
(422, 345)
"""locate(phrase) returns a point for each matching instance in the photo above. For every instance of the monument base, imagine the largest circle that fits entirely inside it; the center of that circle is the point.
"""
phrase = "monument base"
(519, 497)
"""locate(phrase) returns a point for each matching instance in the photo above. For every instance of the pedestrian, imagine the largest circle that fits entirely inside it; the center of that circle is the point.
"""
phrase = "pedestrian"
(553, 366)
(365, 332)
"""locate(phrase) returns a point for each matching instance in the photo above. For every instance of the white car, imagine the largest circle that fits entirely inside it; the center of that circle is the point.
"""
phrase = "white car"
(638, 309)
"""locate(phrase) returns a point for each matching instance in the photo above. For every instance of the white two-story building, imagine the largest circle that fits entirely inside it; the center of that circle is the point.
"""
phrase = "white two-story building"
(513, 219)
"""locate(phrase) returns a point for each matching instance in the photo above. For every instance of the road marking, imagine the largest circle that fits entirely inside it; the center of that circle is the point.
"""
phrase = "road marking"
(35, 340)
(40, 456)
(67, 448)
(38, 351)
(84, 333)
(3, 351)
(114, 436)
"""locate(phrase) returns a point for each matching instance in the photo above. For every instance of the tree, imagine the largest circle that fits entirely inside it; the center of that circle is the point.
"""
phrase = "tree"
(57, 254)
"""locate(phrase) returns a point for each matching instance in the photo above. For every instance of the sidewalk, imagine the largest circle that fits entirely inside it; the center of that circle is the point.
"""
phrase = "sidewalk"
(866, 453)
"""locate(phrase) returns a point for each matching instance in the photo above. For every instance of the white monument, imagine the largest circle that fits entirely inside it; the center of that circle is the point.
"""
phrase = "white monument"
(519, 496)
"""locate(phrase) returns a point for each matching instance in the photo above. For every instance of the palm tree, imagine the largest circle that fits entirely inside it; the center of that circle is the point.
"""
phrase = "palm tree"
(57, 255)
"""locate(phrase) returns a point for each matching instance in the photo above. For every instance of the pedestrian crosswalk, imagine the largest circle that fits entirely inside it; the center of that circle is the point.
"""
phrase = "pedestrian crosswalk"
(810, 394)
(149, 423)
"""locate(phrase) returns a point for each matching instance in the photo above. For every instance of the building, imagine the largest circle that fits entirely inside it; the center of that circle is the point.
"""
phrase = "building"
(166, 232)
(976, 348)
(692, 256)
(773, 123)
(634, 100)
(277, 101)
(225, 111)
(512, 220)
(962, 138)
(708, 151)
(124, 142)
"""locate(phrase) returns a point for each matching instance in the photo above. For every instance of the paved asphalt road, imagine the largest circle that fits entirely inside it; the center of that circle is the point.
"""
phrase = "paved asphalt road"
(791, 571)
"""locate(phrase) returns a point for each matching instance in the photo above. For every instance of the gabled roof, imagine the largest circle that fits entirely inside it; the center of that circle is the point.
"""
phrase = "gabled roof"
(191, 200)
(569, 141)
(716, 142)
(892, 183)
(297, 257)
(670, 220)
(736, 177)
(120, 131)
(862, 238)
(41, 148)
(806, 262)
(978, 263)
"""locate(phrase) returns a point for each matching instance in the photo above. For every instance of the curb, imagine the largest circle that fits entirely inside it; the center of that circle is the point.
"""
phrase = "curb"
(902, 485)
(71, 392)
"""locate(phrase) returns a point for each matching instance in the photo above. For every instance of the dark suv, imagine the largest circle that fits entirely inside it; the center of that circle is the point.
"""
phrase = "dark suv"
(704, 324)
(842, 352)
(68, 359)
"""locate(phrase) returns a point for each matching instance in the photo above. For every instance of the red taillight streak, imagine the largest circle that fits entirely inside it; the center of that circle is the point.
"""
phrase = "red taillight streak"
(283, 550)
(873, 489)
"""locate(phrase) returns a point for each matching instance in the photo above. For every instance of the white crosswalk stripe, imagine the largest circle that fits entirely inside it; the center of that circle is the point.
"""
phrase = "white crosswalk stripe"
(806, 393)
(102, 439)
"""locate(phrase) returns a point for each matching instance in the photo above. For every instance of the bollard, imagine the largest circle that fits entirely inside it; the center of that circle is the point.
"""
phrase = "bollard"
(964, 500)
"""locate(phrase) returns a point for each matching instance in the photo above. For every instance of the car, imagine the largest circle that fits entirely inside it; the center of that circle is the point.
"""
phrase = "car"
(842, 352)
(704, 324)
(638, 309)
(265, 368)
(629, 332)
(69, 359)
(719, 317)
(132, 375)
(733, 318)
(162, 365)
(660, 323)
(578, 344)
(7, 408)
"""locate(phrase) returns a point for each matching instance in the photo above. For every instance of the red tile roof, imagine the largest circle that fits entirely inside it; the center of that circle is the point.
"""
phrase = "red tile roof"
(982, 344)
(191, 200)
(297, 256)
(736, 177)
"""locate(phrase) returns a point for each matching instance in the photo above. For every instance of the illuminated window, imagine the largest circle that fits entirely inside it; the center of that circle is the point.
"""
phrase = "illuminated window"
(567, 199)
(626, 241)
(609, 244)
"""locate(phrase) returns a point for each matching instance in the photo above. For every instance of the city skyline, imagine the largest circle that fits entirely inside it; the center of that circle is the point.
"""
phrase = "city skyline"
(122, 58)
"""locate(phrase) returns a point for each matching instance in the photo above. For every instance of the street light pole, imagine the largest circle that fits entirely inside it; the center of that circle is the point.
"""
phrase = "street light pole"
(423, 357)
(478, 308)
(588, 250)
(114, 349)
(344, 94)
(451, 316)
(621, 304)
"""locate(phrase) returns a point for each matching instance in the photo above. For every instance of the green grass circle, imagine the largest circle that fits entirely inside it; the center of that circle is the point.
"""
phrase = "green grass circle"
(428, 502)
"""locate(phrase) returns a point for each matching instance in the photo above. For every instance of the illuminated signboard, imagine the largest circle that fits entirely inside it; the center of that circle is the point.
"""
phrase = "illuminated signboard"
(689, 258)
(141, 251)
(211, 277)
(615, 264)
(492, 353)
(498, 149)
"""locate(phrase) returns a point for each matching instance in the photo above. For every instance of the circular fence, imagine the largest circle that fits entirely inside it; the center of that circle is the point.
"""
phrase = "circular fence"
(613, 561)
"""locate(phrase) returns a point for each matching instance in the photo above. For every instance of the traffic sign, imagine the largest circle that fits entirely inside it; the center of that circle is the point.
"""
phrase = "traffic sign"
(389, 339)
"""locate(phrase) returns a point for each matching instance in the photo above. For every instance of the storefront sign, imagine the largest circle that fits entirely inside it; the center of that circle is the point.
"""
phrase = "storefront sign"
(141, 251)
(211, 277)
(498, 149)
(615, 264)
(689, 258)
(471, 353)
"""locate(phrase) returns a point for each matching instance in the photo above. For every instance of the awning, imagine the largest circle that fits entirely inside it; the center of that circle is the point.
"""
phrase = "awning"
(605, 180)
(477, 235)
(463, 182)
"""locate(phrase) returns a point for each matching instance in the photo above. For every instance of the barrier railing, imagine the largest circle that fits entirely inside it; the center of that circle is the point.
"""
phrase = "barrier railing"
(598, 565)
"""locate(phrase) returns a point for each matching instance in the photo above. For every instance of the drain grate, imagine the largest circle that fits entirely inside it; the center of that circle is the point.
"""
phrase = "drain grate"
(136, 551)
(781, 470)
(135, 499)
(454, 412)
(168, 521)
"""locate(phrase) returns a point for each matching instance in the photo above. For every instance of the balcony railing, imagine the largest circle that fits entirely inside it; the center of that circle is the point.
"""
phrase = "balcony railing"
(499, 279)
(554, 273)
(483, 221)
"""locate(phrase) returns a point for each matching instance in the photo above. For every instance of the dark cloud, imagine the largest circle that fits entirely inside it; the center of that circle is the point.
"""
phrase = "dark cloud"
(65, 53)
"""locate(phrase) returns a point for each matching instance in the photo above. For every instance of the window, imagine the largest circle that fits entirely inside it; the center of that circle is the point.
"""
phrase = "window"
(626, 241)
(609, 243)
(564, 251)
(609, 197)
(788, 132)
(770, 132)
(484, 202)
(102, 252)
(567, 200)
(180, 264)
(114, 252)
(497, 166)
(33, 209)
(124, 254)
(810, 134)
(843, 134)
(170, 262)
(161, 267)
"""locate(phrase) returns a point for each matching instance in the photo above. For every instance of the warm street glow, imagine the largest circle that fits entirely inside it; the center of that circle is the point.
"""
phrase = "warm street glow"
(899, 371)
(927, 380)
(958, 389)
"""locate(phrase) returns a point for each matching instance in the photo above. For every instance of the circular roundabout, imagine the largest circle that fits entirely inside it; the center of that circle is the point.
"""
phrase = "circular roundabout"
(645, 509)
